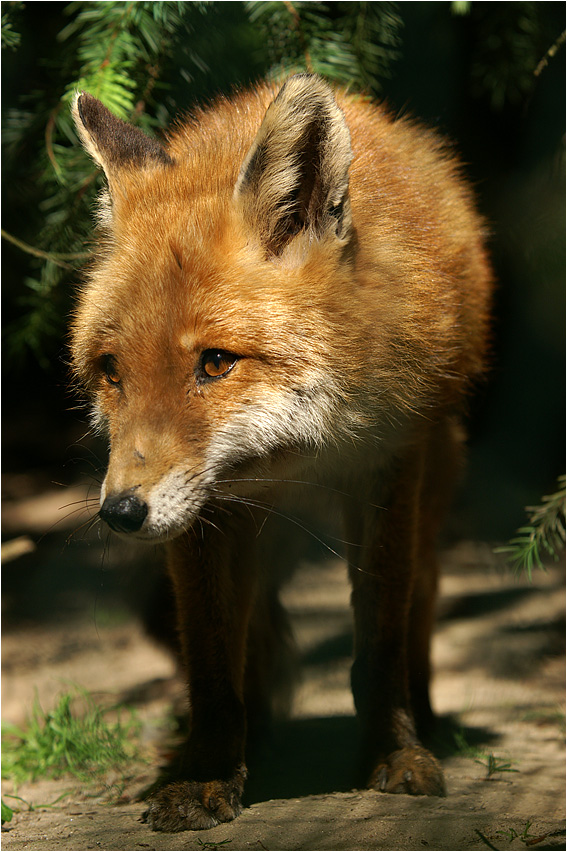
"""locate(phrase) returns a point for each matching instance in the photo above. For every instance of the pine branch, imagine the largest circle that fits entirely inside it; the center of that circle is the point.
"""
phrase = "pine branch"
(10, 38)
(354, 44)
(550, 54)
(58, 258)
(544, 534)
(115, 50)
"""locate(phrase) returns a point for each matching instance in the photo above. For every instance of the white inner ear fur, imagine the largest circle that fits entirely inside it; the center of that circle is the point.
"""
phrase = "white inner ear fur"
(87, 139)
(303, 140)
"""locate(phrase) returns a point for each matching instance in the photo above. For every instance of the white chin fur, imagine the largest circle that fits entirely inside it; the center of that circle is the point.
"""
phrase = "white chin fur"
(289, 430)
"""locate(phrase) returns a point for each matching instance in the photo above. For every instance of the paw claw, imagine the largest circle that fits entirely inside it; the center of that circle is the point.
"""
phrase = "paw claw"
(188, 805)
(411, 770)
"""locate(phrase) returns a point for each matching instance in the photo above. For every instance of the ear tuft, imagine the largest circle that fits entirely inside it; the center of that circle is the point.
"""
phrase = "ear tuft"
(295, 176)
(111, 142)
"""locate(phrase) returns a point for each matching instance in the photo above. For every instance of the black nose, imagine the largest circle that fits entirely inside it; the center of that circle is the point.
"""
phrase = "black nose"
(124, 512)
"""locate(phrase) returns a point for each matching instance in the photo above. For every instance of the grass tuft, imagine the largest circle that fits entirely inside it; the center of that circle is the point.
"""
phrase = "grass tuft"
(74, 738)
(494, 764)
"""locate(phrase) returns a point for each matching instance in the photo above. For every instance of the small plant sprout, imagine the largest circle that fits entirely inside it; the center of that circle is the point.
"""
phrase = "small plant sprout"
(495, 764)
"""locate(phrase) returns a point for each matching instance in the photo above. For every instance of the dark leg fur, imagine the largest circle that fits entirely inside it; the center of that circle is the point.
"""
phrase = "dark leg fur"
(232, 630)
(214, 580)
(271, 664)
(394, 578)
(442, 468)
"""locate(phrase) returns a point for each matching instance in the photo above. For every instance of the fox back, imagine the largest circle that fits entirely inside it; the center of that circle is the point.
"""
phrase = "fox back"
(292, 287)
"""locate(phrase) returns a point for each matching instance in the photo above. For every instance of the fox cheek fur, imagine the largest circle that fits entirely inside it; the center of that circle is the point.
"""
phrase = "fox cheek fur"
(293, 291)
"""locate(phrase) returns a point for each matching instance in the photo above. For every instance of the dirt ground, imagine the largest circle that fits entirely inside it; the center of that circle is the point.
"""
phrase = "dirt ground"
(499, 690)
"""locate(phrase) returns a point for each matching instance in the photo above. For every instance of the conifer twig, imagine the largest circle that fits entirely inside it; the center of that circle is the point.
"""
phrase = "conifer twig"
(550, 53)
(297, 22)
(545, 531)
(58, 258)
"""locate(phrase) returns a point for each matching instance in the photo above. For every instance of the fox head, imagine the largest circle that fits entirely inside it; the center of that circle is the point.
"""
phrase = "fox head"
(208, 331)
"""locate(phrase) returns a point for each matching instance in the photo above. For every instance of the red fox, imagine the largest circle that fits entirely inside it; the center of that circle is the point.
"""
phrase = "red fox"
(292, 288)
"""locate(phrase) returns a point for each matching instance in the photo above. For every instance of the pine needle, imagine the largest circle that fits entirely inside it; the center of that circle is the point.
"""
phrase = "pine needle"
(543, 535)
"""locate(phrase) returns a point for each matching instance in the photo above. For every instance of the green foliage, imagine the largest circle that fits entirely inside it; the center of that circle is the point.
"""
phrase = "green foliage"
(463, 747)
(7, 812)
(491, 762)
(149, 61)
(494, 764)
(507, 52)
(119, 48)
(352, 43)
(460, 7)
(117, 52)
(544, 534)
(73, 738)
(10, 38)
(511, 834)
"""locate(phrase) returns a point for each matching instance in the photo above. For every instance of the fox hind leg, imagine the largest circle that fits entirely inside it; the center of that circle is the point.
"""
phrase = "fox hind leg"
(382, 572)
(442, 467)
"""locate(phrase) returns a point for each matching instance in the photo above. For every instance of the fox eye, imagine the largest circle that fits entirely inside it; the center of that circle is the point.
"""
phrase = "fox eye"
(110, 368)
(216, 363)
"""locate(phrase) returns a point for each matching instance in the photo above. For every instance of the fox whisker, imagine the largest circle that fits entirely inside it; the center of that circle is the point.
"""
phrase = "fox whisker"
(270, 509)
(90, 523)
(302, 482)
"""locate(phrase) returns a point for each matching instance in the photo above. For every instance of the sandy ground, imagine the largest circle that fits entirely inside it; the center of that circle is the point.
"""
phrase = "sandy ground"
(499, 686)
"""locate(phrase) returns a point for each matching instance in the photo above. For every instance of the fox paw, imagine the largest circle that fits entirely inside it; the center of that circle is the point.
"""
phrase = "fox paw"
(186, 805)
(411, 770)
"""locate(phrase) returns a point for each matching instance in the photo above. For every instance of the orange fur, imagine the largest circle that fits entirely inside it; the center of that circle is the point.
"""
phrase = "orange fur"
(326, 263)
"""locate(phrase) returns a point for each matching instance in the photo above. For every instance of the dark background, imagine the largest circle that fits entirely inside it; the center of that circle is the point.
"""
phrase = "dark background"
(471, 76)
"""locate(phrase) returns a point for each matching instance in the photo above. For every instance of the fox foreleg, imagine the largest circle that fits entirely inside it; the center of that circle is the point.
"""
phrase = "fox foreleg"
(213, 573)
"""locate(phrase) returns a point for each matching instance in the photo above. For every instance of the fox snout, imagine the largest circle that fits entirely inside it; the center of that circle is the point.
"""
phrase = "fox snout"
(156, 480)
(152, 505)
(155, 513)
(124, 513)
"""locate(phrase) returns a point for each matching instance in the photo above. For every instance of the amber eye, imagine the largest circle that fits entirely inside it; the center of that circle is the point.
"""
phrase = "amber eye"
(216, 363)
(110, 368)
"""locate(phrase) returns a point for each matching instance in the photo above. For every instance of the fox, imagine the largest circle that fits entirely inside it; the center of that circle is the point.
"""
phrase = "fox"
(290, 294)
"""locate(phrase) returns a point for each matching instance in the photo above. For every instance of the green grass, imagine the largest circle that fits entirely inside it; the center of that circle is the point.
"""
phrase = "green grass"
(546, 715)
(492, 763)
(462, 747)
(511, 834)
(75, 738)
(7, 812)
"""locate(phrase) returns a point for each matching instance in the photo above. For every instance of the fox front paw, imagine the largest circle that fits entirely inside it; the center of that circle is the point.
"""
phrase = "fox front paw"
(193, 805)
(411, 770)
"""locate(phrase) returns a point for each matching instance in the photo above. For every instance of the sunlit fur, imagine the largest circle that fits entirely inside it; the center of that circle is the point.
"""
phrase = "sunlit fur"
(336, 254)
(331, 344)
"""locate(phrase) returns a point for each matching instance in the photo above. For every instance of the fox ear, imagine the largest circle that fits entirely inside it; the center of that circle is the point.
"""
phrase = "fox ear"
(295, 176)
(113, 144)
